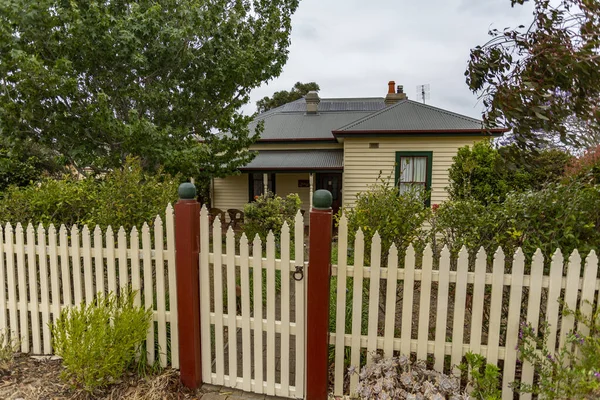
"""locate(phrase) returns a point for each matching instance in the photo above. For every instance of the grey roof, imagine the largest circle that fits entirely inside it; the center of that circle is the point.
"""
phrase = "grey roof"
(297, 160)
(290, 121)
(412, 116)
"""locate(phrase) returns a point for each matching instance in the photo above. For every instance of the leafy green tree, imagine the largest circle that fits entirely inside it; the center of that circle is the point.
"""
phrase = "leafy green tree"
(545, 77)
(282, 97)
(99, 81)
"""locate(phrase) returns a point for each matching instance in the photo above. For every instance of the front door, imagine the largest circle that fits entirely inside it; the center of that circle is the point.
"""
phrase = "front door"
(333, 183)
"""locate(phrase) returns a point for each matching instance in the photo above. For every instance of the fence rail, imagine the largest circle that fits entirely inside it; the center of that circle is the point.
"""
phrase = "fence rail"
(442, 314)
(43, 271)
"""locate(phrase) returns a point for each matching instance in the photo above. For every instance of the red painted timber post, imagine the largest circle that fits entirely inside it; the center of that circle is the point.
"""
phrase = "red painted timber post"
(187, 246)
(317, 313)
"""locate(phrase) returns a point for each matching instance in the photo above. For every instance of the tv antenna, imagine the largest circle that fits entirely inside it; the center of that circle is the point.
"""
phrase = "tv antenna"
(423, 92)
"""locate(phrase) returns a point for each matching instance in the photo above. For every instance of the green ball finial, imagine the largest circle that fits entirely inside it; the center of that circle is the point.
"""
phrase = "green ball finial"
(187, 191)
(322, 199)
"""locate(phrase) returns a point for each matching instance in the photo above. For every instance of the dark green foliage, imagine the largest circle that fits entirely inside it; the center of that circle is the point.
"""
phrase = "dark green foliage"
(268, 213)
(538, 78)
(483, 378)
(283, 97)
(571, 373)
(486, 174)
(126, 197)
(98, 81)
(24, 162)
(98, 342)
(561, 216)
(397, 217)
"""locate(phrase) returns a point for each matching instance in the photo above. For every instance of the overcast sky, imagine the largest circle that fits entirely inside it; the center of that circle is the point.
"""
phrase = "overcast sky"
(352, 48)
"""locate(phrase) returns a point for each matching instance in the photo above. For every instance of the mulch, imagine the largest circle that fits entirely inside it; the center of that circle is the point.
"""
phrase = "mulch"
(38, 378)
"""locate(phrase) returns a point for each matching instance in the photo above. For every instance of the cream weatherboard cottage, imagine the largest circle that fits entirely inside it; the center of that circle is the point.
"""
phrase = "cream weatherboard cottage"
(344, 144)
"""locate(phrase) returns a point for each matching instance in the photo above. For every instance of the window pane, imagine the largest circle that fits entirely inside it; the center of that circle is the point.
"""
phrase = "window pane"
(406, 169)
(420, 169)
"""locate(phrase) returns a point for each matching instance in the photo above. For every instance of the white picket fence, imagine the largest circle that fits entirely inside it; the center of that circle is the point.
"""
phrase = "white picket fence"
(43, 272)
(419, 325)
(252, 345)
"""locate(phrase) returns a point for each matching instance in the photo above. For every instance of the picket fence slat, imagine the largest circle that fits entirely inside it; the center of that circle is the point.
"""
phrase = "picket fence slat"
(552, 311)
(76, 260)
(299, 304)
(425, 303)
(136, 280)
(407, 299)
(374, 297)
(13, 326)
(172, 274)
(570, 299)
(258, 313)
(218, 293)
(87, 265)
(340, 316)
(477, 299)
(44, 290)
(588, 290)
(533, 311)
(390, 305)
(205, 296)
(33, 290)
(495, 307)
(513, 320)
(161, 307)
(285, 309)
(245, 292)
(54, 274)
(442, 309)
(3, 284)
(148, 290)
(460, 299)
(98, 260)
(65, 266)
(21, 274)
(231, 311)
(270, 314)
(122, 256)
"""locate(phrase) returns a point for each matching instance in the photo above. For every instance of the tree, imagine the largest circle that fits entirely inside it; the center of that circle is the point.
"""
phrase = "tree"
(101, 80)
(545, 78)
(282, 97)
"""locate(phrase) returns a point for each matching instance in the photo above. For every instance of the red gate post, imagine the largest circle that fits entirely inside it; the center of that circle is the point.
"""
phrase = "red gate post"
(187, 247)
(317, 312)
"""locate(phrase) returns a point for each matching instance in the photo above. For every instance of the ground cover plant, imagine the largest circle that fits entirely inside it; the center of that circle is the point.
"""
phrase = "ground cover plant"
(99, 341)
(572, 372)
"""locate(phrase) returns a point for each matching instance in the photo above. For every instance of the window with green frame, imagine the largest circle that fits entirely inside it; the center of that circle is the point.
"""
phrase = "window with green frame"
(413, 170)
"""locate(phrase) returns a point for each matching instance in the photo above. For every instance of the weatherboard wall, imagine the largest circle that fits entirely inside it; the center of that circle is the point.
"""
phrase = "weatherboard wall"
(362, 164)
(230, 192)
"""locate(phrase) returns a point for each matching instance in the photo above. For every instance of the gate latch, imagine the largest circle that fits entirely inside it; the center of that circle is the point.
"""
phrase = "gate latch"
(299, 273)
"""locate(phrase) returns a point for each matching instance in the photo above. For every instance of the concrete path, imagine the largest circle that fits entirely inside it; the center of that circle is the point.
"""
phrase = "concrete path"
(211, 392)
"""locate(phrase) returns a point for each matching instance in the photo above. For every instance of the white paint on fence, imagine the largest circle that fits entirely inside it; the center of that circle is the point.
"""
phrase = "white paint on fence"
(487, 308)
(264, 366)
(43, 278)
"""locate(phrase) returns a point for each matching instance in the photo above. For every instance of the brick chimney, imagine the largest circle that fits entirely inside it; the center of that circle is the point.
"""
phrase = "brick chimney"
(395, 93)
(312, 102)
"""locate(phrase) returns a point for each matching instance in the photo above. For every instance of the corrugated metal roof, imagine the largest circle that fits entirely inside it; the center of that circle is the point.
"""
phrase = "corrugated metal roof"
(408, 115)
(290, 121)
(297, 160)
(295, 126)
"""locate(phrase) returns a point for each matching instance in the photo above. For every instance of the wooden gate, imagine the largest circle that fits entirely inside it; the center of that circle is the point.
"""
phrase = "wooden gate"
(252, 309)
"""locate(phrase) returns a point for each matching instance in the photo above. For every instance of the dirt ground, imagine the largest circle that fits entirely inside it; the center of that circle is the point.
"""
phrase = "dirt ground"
(39, 379)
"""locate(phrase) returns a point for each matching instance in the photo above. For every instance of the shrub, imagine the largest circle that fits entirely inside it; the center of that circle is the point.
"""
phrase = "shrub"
(483, 378)
(8, 347)
(399, 378)
(127, 197)
(486, 174)
(397, 217)
(571, 373)
(268, 213)
(98, 342)
(558, 216)
(585, 168)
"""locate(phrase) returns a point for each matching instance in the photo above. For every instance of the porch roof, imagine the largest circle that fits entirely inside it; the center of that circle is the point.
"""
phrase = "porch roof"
(296, 160)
